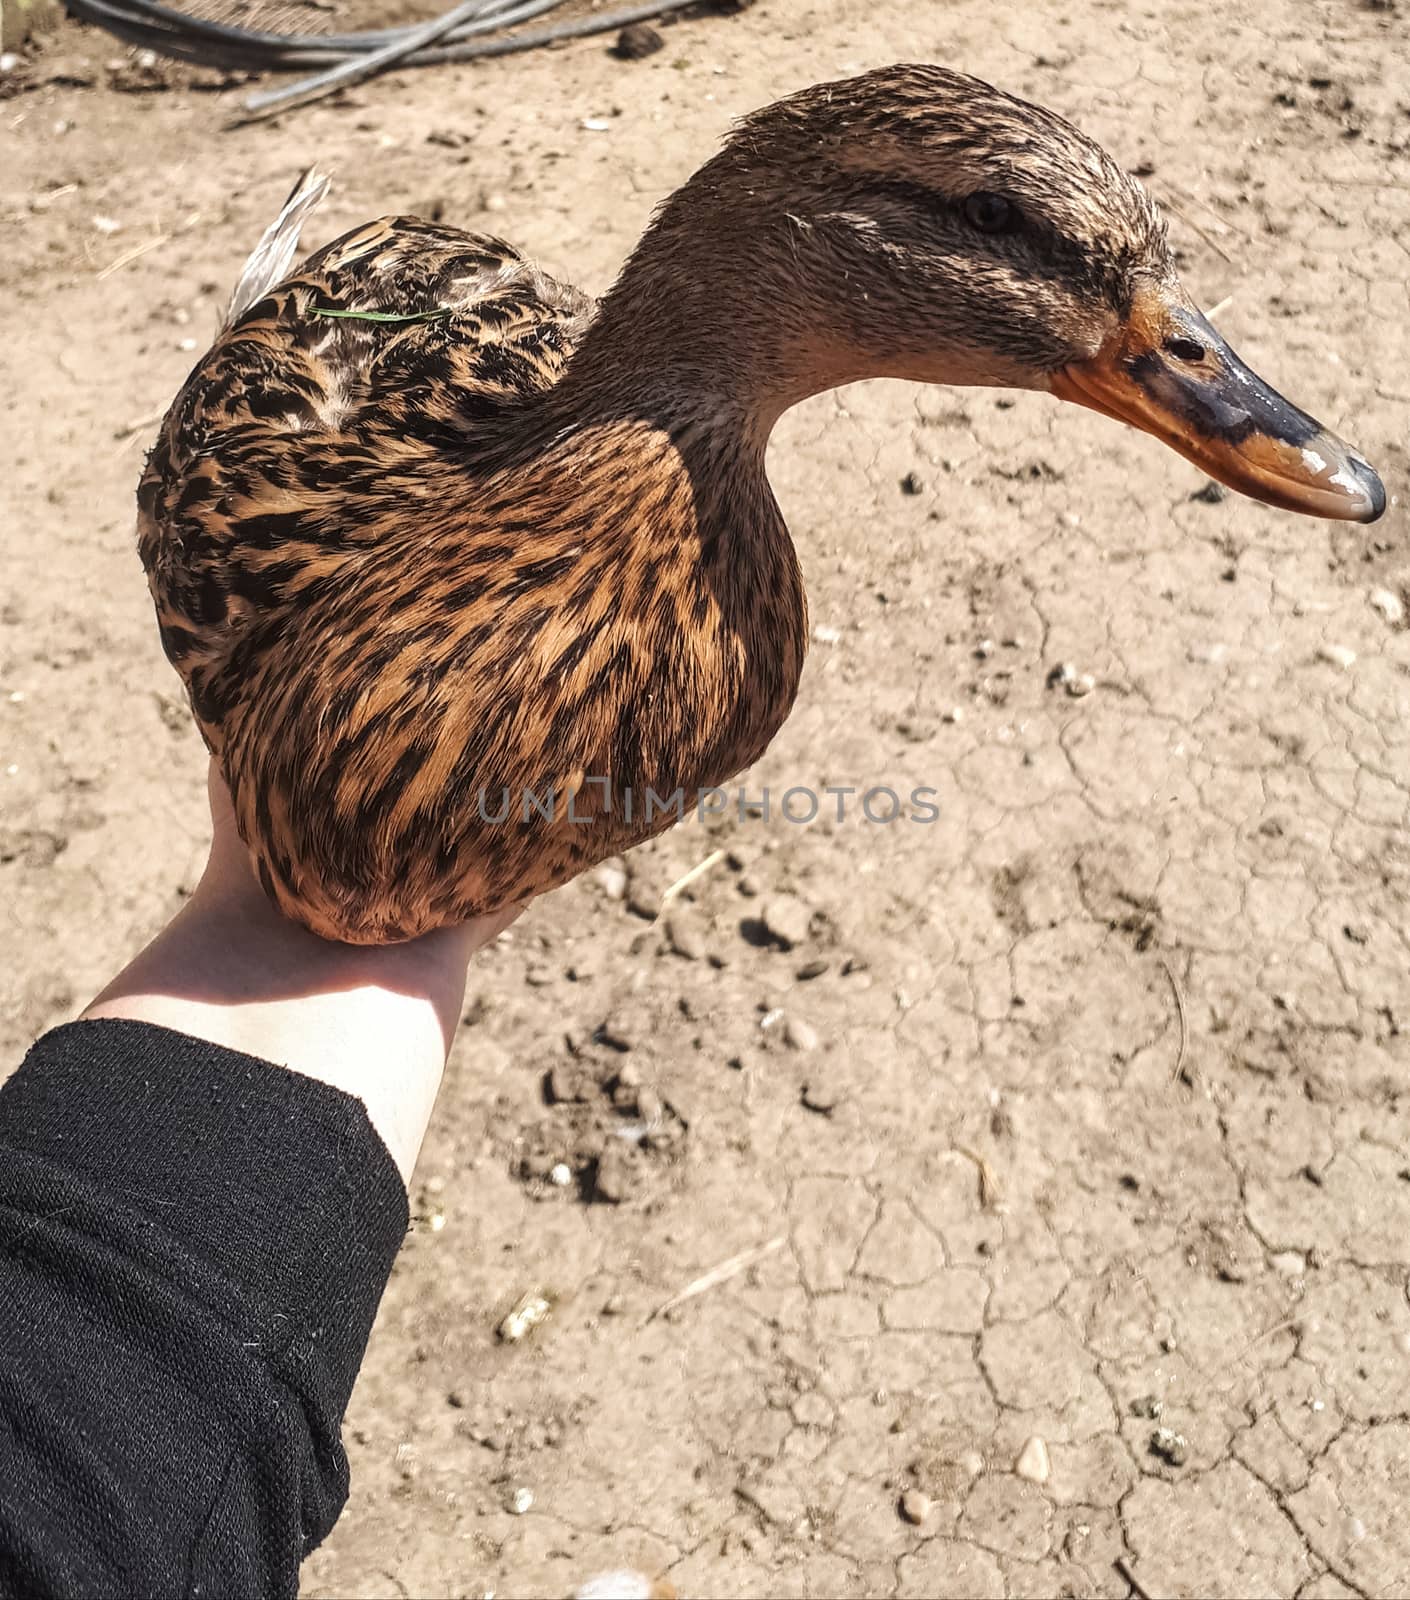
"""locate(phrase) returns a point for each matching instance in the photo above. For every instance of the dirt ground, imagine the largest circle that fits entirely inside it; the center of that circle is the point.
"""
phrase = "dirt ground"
(1079, 1116)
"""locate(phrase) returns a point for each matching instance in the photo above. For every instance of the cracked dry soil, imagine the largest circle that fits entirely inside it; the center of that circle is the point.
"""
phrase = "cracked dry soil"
(1078, 1116)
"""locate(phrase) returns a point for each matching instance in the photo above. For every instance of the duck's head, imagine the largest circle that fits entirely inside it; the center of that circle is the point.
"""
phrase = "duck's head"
(917, 223)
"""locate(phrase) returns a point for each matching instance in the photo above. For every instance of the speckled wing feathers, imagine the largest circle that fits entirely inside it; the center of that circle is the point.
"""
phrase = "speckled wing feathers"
(290, 405)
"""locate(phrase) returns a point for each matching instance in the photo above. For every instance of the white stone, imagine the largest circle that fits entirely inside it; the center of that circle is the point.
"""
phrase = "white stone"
(801, 1035)
(1033, 1463)
(1338, 655)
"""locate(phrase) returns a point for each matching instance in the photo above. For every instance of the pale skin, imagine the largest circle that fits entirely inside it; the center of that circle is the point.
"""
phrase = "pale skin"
(375, 1022)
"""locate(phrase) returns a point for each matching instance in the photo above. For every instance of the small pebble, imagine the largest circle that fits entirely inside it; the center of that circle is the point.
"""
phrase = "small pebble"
(1338, 656)
(1061, 675)
(644, 901)
(812, 969)
(822, 1093)
(595, 124)
(1206, 655)
(1171, 1447)
(1033, 1463)
(823, 633)
(613, 880)
(984, 649)
(915, 1506)
(615, 1178)
(530, 1311)
(494, 202)
(637, 41)
(568, 1084)
(685, 936)
(800, 1035)
(521, 1501)
(587, 964)
(1081, 685)
(911, 484)
(560, 1175)
(954, 714)
(618, 1031)
(787, 920)
(623, 1583)
(449, 138)
(1390, 606)
(1291, 1263)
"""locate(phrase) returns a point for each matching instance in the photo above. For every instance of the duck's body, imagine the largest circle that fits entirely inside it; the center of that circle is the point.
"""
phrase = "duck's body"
(466, 604)
(420, 602)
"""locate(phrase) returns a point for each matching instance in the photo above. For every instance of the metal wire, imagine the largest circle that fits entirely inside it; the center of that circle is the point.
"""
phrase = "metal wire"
(338, 59)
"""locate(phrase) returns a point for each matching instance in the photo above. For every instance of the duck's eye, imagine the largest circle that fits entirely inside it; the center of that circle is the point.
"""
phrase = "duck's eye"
(991, 213)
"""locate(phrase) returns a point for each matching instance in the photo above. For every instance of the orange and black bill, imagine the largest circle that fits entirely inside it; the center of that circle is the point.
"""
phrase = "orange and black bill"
(1167, 371)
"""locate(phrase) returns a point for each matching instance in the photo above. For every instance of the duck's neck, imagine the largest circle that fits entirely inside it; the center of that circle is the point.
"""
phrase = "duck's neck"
(708, 322)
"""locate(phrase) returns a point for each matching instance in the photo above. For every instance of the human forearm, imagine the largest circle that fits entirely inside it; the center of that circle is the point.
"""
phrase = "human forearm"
(376, 1022)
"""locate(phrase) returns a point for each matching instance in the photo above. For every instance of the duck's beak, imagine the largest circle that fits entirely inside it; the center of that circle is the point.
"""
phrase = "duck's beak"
(1169, 372)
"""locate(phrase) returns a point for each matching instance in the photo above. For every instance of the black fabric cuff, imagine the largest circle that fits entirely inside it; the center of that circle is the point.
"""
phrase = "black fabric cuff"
(273, 1187)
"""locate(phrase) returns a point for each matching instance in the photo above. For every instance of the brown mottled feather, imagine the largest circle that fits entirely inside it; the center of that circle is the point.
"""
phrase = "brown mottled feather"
(404, 568)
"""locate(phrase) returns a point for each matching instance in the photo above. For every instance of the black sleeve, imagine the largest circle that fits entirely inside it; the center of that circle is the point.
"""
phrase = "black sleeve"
(193, 1243)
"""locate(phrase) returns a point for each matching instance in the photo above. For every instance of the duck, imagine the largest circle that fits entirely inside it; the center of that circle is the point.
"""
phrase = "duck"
(462, 570)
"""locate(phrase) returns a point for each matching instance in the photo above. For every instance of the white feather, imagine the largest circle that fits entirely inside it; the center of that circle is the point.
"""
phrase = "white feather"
(272, 257)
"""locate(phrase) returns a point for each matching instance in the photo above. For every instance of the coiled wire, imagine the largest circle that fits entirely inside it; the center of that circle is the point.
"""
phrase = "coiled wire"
(340, 59)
